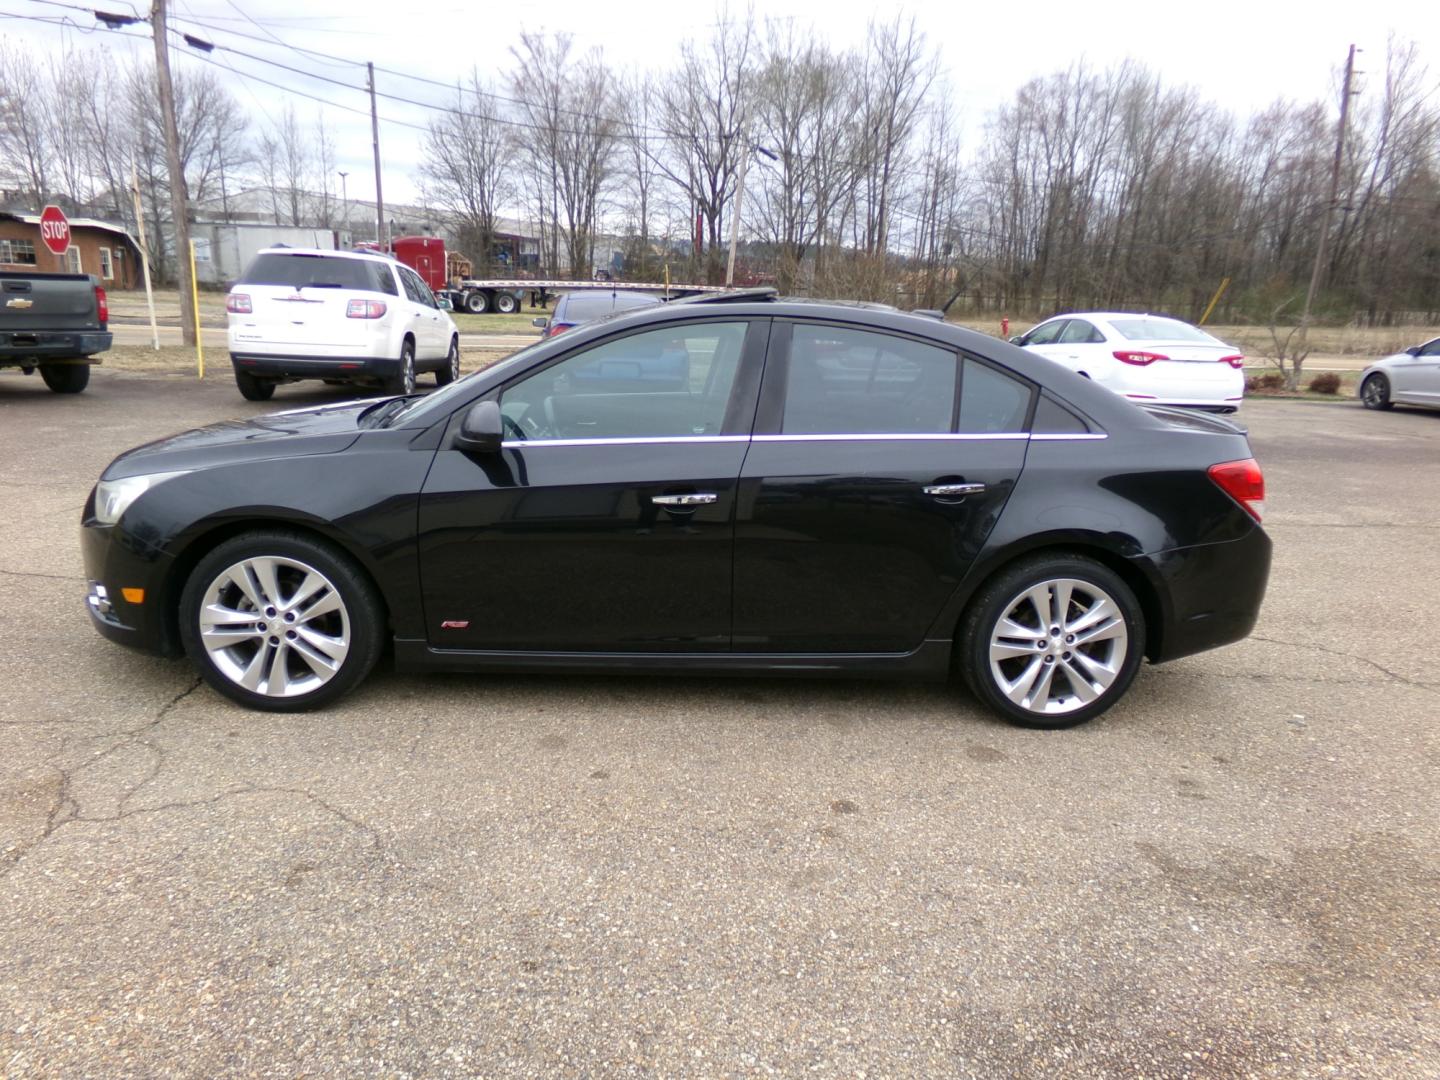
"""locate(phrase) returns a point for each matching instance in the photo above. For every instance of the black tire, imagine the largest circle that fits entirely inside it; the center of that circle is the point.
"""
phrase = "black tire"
(253, 389)
(477, 303)
(403, 381)
(66, 378)
(444, 376)
(363, 612)
(998, 597)
(507, 303)
(1375, 393)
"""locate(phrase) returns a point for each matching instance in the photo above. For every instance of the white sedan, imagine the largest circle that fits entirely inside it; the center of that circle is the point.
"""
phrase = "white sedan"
(1150, 359)
(1408, 378)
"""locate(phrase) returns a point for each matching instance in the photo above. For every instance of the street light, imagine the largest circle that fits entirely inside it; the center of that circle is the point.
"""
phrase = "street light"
(755, 148)
(345, 199)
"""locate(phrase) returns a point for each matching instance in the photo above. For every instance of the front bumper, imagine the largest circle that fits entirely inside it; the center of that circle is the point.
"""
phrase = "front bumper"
(271, 366)
(21, 347)
(114, 562)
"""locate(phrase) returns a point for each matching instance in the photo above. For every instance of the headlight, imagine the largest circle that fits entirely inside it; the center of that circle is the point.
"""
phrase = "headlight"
(113, 497)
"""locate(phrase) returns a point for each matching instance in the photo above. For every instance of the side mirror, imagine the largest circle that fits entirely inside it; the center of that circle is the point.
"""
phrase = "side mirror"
(540, 321)
(1414, 350)
(481, 429)
(1017, 339)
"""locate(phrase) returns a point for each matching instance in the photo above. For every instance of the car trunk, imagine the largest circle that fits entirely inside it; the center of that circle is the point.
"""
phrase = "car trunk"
(307, 316)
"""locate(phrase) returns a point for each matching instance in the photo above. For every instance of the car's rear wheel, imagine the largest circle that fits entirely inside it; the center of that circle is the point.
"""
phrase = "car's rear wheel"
(1375, 392)
(403, 381)
(506, 303)
(66, 378)
(253, 389)
(280, 621)
(451, 371)
(476, 303)
(1052, 641)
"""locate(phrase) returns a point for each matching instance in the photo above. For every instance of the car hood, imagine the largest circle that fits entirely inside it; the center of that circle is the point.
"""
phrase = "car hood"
(323, 429)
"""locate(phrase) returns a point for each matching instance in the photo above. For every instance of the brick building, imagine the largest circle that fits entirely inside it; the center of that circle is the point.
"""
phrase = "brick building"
(96, 247)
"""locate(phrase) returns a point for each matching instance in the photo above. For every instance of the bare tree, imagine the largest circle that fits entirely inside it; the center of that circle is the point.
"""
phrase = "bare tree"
(466, 167)
(27, 151)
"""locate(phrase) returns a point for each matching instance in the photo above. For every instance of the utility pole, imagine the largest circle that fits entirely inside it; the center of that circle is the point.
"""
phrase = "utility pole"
(375, 142)
(1330, 205)
(739, 199)
(177, 173)
(345, 199)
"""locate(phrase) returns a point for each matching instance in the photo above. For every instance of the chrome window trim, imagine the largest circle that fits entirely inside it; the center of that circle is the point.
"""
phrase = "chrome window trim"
(670, 440)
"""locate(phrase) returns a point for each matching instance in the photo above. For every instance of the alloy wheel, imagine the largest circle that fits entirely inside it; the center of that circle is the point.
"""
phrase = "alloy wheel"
(275, 626)
(1058, 646)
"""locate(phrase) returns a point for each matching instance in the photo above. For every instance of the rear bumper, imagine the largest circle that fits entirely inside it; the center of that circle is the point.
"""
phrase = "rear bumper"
(1210, 594)
(19, 347)
(272, 366)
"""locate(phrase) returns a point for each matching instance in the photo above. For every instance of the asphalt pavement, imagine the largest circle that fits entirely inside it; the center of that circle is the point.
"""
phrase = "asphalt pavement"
(1233, 873)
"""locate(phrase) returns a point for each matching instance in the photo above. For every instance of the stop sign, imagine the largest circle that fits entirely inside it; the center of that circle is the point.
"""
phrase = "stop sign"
(55, 229)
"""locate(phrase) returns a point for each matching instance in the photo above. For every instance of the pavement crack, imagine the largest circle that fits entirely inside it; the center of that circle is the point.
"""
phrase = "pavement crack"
(1395, 675)
(37, 574)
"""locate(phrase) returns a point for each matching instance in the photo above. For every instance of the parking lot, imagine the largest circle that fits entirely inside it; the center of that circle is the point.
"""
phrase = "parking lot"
(1232, 873)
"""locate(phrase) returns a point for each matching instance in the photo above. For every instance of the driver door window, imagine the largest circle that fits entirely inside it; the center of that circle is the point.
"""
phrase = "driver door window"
(668, 383)
(1045, 334)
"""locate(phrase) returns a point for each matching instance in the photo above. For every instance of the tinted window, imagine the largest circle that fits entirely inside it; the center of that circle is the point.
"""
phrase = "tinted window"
(1045, 333)
(853, 382)
(1052, 418)
(384, 278)
(991, 403)
(313, 271)
(1079, 332)
(662, 383)
(581, 307)
(1150, 328)
(416, 289)
(1430, 349)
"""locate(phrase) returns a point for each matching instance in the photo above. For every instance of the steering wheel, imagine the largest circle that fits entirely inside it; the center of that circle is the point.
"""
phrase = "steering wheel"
(525, 428)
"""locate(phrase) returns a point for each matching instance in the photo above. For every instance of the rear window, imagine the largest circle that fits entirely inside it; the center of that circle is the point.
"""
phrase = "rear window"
(312, 271)
(1153, 329)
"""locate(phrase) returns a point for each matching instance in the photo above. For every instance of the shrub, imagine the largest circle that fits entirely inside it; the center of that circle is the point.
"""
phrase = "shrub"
(1326, 382)
(1270, 381)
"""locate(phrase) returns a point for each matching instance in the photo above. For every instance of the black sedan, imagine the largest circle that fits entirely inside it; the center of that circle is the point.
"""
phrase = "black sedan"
(745, 486)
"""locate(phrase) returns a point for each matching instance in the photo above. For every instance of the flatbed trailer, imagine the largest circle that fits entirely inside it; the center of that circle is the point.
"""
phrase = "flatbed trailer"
(506, 295)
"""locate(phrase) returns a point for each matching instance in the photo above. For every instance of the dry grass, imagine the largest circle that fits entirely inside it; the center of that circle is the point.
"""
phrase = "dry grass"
(179, 360)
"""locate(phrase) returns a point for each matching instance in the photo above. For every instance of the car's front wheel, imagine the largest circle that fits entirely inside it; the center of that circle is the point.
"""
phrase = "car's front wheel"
(1375, 392)
(280, 621)
(1052, 641)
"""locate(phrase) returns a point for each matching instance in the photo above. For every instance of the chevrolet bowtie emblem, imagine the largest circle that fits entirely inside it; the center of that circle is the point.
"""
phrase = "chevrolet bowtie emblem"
(20, 302)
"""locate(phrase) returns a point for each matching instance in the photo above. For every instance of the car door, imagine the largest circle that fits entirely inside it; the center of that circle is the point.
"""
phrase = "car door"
(1080, 346)
(606, 522)
(1416, 378)
(878, 467)
(1044, 339)
(424, 318)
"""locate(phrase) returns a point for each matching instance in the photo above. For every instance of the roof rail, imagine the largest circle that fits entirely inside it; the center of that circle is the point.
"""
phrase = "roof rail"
(735, 296)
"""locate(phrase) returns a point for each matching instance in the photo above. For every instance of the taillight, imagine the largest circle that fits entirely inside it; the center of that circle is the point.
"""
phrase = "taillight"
(238, 303)
(1242, 481)
(1138, 358)
(558, 328)
(1235, 360)
(365, 309)
(102, 305)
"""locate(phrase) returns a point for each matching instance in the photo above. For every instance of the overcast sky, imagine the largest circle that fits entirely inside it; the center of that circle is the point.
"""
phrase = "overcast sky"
(1241, 54)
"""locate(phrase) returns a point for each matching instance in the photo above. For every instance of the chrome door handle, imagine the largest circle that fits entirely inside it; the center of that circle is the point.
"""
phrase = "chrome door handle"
(950, 491)
(703, 499)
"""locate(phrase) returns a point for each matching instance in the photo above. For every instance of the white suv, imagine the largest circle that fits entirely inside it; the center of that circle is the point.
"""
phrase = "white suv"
(341, 316)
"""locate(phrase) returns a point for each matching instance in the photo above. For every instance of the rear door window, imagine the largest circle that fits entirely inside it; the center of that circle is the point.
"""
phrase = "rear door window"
(858, 382)
(384, 278)
(308, 271)
(992, 403)
(1079, 332)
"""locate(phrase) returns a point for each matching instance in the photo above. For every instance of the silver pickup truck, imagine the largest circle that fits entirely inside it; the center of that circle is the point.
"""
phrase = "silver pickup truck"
(54, 322)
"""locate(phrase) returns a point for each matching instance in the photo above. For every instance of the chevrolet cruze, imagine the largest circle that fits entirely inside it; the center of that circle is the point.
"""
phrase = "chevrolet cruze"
(742, 486)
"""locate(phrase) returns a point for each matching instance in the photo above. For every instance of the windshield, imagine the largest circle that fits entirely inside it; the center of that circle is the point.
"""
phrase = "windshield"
(1152, 328)
(312, 271)
(433, 404)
